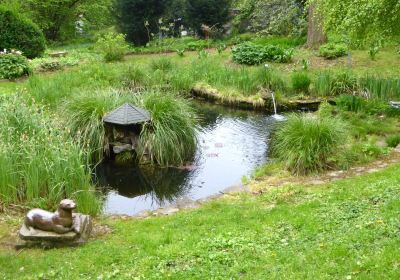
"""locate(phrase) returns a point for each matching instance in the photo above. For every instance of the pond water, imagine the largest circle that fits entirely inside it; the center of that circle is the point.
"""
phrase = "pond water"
(231, 144)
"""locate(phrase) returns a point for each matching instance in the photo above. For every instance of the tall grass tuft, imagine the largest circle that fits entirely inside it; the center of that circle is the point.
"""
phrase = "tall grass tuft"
(305, 142)
(39, 163)
(169, 139)
(381, 88)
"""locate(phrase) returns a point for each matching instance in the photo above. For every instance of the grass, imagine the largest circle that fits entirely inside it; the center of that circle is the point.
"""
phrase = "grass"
(342, 230)
(304, 143)
(40, 165)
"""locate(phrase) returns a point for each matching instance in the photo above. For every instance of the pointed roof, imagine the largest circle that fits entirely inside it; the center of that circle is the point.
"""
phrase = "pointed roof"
(127, 114)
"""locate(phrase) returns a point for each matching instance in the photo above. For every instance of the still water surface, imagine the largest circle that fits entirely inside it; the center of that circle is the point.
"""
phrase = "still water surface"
(231, 144)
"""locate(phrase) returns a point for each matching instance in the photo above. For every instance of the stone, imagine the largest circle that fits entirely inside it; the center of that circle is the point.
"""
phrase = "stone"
(120, 148)
(187, 203)
(82, 225)
(59, 54)
(166, 211)
(236, 189)
(397, 150)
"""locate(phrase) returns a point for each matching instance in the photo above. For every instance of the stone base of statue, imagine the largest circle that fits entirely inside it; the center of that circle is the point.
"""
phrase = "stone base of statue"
(31, 237)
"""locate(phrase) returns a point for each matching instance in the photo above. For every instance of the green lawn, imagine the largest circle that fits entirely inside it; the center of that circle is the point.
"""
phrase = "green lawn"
(345, 230)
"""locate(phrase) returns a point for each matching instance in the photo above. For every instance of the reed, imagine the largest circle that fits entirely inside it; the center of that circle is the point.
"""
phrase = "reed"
(39, 163)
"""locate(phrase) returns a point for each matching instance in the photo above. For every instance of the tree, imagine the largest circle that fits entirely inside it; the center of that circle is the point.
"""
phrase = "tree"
(21, 34)
(52, 15)
(364, 21)
(213, 13)
(316, 35)
(138, 19)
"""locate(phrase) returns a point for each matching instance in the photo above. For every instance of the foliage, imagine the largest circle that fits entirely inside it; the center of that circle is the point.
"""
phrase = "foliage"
(373, 51)
(213, 13)
(363, 21)
(40, 164)
(170, 138)
(273, 17)
(380, 88)
(138, 19)
(18, 32)
(335, 83)
(13, 65)
(304, 142)
(393, 141)
(332, 50)
(162, 63)
(252, 54)
(351, 103)
(112, 46)
(53, 15)
(50, 66)
(301, 82)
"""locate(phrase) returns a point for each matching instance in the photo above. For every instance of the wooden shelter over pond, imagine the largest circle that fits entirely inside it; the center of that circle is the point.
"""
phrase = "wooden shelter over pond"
(123, 127)
(127, 114)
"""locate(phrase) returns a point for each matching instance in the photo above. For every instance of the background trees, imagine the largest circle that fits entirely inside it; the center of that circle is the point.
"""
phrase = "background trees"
(361, 21)
(138, 19)
(213, 13)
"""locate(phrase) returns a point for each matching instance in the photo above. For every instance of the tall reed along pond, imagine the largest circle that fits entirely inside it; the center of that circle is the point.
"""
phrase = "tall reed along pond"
(231, 144)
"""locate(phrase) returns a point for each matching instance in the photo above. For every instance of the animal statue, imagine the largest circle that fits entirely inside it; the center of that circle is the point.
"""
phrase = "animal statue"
(60, 221)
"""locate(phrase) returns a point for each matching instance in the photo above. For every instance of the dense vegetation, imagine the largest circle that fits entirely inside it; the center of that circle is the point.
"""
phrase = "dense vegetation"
(19, 33)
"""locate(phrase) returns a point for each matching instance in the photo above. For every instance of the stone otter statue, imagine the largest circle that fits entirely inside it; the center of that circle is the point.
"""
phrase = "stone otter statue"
(59, 222)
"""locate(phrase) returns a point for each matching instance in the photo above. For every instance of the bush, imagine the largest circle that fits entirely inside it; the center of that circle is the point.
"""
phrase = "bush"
(332, 51)
(20, 33)
(50, 66)
(162, 63)
(112, 46)
(252, 54)
(13, 65)
(304, 143)
(393, 141)
(301, 82)
(197, 45)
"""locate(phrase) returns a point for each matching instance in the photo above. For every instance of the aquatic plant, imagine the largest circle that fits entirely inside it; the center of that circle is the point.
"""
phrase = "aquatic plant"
(39, 163)
(305, 142)
(170, 138)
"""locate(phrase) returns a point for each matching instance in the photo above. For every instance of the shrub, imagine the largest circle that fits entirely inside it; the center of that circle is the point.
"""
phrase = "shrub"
(112, 46)
(252, 54)
(301, 82)
(17, 32)
(305, 142)
(13, 65)
(393, 141)
(332, 51)
(50, 66)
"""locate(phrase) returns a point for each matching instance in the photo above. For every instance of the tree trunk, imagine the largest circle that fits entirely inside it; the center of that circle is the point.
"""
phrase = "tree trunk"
(316, 35)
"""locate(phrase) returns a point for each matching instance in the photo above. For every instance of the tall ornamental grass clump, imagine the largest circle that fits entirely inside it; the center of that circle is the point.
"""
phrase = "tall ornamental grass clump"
(171, 136)
(39, 163)
(305, 142)
(169, 139)
(380, 88)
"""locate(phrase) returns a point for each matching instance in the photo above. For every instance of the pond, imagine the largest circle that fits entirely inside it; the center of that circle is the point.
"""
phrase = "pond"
(232, 143)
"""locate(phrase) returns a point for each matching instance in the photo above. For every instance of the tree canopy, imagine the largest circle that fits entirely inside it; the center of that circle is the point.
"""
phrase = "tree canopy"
(361, 20)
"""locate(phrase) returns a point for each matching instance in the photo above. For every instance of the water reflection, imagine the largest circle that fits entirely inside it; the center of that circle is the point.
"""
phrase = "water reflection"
(231, 144)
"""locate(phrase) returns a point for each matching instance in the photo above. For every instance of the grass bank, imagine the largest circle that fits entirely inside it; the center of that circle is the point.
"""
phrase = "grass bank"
(343, 230)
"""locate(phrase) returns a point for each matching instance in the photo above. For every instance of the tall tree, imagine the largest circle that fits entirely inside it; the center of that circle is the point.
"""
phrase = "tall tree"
(51, 15)
(316, 35)
(213, 13)
(138, 19)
